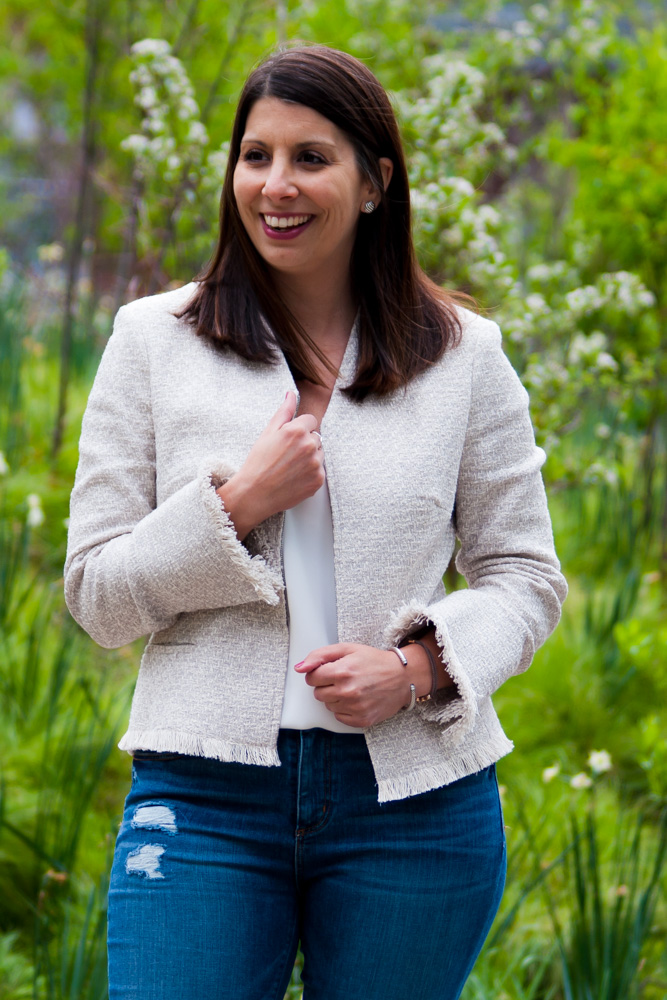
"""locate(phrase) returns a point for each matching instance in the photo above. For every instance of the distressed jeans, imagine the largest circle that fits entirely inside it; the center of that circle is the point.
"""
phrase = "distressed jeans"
(222, 869)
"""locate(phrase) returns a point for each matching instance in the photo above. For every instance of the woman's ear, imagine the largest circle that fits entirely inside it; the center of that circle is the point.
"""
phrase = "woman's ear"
(387, 169)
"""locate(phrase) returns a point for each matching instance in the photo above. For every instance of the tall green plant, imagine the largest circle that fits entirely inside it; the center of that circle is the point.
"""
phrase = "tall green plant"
(608, 928)
(71, 956)
(12, 422)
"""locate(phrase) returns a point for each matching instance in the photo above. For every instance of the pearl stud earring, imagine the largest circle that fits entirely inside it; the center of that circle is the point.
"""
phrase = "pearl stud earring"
(369, 207)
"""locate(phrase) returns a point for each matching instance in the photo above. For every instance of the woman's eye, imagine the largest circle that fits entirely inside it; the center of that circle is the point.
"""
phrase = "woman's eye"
(309, 157)
(254, 155)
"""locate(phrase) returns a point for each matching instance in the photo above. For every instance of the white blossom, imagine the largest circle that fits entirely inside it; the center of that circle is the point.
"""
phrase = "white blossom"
(151, 47)
(4, 465)
(605, 362)
(197, 133)
(581, 780)
(523, 28)
(598, 472)
(135, 144)
(536, 303)
(539, 12)
(587, 348)
(141, 76)
(147, 98)
(35, 513)
(51, 253)
(599, 761)
(549, 773)
(188, 108)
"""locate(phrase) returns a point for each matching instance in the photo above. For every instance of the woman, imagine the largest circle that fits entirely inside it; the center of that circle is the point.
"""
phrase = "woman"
(275, 463)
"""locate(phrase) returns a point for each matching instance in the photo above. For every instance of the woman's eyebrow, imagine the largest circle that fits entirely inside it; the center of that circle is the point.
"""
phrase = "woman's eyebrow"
(297, 145)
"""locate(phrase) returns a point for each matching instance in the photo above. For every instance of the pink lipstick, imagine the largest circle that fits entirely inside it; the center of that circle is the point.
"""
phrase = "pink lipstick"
(284, 234)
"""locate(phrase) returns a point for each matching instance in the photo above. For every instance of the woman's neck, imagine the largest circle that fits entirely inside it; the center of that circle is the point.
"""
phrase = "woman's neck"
(325, 309)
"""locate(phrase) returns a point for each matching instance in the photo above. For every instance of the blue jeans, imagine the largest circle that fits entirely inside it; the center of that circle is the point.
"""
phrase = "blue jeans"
(221, 869)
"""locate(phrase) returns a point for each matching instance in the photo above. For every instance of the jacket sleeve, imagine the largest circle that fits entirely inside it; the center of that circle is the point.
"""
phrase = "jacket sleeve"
(490, 631)
(132, 567)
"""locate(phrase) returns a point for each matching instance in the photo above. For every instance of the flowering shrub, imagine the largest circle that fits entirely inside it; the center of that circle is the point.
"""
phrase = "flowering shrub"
(174, 162)
(171, 133)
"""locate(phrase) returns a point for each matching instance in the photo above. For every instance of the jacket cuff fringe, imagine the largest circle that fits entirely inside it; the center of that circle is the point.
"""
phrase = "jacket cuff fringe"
(267, 582)
(453, 708)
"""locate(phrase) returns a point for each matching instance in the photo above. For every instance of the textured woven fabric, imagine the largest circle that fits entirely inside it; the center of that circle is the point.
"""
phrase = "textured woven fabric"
(151, 550)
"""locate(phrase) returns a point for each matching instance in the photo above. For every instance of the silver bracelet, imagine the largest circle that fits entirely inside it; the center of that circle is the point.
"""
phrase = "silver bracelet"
(413, 690)
(400, 654)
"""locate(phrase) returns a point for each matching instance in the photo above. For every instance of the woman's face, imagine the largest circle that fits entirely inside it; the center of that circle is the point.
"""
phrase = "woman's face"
(299, 190)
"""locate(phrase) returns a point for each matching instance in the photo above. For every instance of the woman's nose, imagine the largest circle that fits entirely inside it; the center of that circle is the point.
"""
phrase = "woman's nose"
(280, 182)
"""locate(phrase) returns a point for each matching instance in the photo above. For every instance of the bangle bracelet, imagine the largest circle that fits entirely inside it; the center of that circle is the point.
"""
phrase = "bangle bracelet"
(400, 654)
(413, 690)
(434, 669)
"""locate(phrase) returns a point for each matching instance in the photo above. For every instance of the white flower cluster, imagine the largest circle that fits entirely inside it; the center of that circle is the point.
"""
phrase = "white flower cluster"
(449, 136)
(591, 351)
(172, 138)
(599, 473)
(520, 43)
(549, 274)
(452, 148)
(626, 292)
(50, 253)
(556, 32)
(623, 291)
(598, 761)
(545, 376)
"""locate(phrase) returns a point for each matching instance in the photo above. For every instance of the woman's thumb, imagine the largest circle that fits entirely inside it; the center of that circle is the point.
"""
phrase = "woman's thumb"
(285, 411)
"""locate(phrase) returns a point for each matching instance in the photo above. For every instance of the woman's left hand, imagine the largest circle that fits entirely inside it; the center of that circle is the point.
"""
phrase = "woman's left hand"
(360, 684)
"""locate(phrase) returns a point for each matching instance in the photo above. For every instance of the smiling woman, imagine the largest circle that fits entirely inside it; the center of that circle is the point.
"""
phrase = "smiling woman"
(288, 187)
(315, 134)
(276, 462)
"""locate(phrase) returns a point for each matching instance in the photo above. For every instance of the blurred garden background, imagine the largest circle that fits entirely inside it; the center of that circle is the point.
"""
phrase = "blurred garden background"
(537, 138)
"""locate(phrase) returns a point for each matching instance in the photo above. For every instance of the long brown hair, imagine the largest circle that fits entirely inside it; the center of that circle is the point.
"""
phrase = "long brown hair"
(406, 321)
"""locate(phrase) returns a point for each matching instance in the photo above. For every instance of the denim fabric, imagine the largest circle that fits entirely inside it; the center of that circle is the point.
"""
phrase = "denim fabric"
(222, 868)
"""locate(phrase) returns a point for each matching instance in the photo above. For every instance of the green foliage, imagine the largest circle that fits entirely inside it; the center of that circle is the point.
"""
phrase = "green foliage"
(611, 921)
(619, 150)
(16, 973)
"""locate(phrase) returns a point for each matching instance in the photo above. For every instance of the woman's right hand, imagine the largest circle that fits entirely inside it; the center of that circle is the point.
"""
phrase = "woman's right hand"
(284, 466)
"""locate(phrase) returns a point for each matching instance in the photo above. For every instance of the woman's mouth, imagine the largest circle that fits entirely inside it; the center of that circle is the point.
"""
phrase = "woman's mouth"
(285, 226)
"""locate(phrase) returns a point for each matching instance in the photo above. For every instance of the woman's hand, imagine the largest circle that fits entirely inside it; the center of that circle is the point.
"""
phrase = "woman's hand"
(360, 684)
(283, 467)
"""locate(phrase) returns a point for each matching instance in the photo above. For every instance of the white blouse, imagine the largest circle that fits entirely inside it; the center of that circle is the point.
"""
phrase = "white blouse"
(311, 600)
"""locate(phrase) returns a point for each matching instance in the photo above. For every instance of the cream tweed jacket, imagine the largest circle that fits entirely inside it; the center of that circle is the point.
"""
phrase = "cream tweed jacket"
(152, 552)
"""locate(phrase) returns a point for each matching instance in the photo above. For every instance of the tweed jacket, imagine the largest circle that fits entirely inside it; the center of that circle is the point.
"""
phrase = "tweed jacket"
(152, 552)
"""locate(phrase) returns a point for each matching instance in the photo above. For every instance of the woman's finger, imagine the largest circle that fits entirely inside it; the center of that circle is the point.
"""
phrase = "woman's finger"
(285, 412)
(325, 654)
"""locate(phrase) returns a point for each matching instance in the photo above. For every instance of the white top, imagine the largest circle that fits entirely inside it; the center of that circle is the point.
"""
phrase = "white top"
(311, 599)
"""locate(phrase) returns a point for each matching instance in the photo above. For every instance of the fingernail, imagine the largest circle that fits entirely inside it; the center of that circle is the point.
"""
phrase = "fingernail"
(299, 664)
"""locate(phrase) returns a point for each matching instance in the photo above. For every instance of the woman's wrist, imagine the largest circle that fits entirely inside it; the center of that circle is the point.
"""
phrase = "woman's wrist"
(419, 666)
(418, 669)
(237, 501)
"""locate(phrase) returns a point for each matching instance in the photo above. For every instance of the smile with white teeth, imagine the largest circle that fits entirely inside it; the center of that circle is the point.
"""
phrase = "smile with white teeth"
(286, 222)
